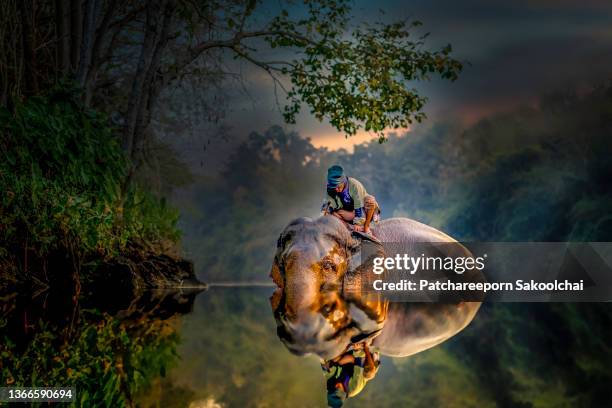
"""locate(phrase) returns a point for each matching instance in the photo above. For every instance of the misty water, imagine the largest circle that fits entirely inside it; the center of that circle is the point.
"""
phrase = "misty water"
(219, 348)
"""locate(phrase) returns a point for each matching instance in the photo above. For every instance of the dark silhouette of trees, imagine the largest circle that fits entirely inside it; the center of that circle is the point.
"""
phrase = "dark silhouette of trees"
(123, 54)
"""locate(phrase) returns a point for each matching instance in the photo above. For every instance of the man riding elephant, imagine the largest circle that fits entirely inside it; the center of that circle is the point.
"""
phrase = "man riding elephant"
(348, 200)
(347, 374)
(321, 304)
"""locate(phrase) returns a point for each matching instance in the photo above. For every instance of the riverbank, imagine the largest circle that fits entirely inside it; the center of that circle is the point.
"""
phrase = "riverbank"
(68, 215)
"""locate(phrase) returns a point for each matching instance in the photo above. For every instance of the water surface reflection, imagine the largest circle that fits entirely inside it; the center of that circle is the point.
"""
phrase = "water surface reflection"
(221, 349)
(510, 355)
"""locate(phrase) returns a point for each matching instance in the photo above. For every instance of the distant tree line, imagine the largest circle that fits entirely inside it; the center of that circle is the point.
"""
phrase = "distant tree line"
(532, 174)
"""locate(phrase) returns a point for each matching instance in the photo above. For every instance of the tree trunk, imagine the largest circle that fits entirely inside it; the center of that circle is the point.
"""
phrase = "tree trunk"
(139, 86)
(151, 79)
(62, 27)
(76, 30)
(10, 53)
(143, 89)
(96, 57)
(26, 10)
(90, 18)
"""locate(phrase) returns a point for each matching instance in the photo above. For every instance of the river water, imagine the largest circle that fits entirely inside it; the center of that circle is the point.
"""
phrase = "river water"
(219, 348)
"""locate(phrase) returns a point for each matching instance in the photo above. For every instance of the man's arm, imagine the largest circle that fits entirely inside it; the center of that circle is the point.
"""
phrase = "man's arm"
(358, 193)
(327, 206)
(359, 219)
(369, 368)
(346, 359)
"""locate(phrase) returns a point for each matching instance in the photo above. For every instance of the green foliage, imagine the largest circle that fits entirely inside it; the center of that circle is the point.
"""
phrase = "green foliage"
(537, 174)
(149, 219)
(61, 171)
(359, 79)
(540, 355)
(356, 76)
(107, 361)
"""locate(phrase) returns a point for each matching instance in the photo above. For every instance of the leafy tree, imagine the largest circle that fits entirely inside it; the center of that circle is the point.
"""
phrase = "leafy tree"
(124, 54)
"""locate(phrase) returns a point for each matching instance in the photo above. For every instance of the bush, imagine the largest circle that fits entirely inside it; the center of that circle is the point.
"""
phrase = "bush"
(61, 171)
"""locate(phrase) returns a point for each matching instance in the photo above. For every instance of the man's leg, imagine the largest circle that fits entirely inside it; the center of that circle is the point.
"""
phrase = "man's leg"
(370, 206)
(345, 215)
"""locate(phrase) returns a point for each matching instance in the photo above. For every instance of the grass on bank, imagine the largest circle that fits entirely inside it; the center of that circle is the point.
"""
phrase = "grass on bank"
(61, 172)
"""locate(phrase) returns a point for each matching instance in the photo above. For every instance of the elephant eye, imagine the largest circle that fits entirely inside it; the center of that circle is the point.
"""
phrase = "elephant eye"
(327, 264)
(326, 310)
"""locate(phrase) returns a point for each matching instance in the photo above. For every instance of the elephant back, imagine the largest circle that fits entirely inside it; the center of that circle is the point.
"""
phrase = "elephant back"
(412, 327)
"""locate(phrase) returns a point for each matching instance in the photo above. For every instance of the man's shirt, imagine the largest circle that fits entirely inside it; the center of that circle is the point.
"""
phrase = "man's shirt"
(355, 381)
(354, 189)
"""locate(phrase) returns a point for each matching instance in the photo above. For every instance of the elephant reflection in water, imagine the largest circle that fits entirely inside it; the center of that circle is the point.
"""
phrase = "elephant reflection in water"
(319, 306)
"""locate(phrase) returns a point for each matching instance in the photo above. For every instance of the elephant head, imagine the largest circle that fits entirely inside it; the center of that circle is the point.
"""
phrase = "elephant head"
(317, 305)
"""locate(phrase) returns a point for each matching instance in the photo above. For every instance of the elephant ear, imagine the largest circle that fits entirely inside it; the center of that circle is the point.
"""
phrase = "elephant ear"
(276, 275)
(357, 243)
(278, 279)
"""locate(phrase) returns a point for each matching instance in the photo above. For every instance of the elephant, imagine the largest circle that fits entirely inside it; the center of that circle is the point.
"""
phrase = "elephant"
(319, 307)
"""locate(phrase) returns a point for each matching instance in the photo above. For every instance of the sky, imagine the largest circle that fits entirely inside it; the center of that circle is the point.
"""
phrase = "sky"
(515, 51)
